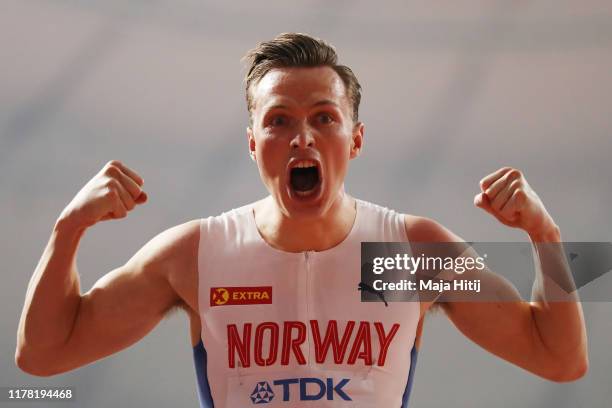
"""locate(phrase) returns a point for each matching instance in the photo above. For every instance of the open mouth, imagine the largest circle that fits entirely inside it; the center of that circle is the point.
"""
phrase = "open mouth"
(304, 177)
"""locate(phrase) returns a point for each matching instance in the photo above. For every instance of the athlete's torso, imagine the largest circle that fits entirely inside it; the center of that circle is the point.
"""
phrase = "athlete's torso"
(289, 330)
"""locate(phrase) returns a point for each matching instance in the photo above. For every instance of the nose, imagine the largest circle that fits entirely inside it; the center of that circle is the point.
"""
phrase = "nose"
(302, 139)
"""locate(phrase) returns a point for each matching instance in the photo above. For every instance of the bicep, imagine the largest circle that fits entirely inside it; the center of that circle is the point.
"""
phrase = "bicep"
(500, 321)
(125, 304)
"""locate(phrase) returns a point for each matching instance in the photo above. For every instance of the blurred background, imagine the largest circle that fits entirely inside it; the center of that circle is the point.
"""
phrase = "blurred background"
(452, 91)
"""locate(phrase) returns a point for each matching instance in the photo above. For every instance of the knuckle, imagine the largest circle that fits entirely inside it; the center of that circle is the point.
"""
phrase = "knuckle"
(514, 174)
(119, 208)
(111, 192)
(111, 171)
(515, 183)
(111, 183)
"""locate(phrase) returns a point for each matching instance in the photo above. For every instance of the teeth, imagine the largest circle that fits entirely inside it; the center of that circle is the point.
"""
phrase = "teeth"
(304, 193)
(304, 163)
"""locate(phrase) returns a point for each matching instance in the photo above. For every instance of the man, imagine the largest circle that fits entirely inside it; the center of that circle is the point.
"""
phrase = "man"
(270, 287)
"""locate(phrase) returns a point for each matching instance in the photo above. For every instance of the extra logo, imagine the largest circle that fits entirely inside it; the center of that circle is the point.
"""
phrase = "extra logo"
(241, 295)
(308, 389)
(218, 296)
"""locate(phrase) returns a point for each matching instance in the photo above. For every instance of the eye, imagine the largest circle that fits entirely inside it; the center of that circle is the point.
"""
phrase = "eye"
(278, 120)
(325, 118)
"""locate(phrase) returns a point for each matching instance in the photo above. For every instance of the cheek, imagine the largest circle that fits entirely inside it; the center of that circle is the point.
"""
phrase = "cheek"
(338, 153)
(270, 155)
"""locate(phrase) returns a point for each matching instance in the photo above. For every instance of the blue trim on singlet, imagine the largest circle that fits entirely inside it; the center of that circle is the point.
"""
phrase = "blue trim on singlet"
(200, 359)
(413, 359)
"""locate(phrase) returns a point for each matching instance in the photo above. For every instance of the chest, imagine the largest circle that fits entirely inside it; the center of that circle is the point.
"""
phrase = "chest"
(303, 309)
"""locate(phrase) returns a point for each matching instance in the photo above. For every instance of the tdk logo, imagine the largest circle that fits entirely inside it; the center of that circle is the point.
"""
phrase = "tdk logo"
(262, 394)
(310, 389)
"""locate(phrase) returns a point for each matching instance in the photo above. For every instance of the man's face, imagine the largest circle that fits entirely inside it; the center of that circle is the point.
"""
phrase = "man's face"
(302, 137)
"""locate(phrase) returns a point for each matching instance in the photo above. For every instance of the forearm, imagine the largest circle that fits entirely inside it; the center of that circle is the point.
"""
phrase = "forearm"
(53, 293)
(556, 307)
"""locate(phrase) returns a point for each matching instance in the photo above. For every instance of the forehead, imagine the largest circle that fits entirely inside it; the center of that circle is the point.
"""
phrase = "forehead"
(299, 85)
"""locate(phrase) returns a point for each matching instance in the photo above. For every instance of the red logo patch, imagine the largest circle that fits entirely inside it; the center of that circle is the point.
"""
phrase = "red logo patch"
(241, 295)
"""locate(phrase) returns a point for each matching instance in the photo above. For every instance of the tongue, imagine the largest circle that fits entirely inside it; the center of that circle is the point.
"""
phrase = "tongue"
(304, 179)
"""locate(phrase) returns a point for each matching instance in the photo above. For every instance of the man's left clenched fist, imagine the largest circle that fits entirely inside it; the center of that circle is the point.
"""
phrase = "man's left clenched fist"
(507, 195)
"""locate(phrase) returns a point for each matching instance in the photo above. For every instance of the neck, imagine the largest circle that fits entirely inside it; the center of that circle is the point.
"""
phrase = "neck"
(299, 235)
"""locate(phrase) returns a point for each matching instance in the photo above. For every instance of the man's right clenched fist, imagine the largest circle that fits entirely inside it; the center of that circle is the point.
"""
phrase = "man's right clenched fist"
(110, 194)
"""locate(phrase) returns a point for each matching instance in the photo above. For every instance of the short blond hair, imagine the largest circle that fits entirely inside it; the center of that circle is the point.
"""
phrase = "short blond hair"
(298, 50)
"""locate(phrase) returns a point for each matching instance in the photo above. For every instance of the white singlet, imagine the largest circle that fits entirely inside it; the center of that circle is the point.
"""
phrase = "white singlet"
(288, 329)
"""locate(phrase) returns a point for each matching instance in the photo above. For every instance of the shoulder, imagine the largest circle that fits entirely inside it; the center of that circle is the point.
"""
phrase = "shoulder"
(173, 256)
(423, 229)
(418, 228)
(170, 256)
(373, 206)
(169, 253)
(379, 211)
(233, 216)
(178, 247)
(173, 243)
(426, 230)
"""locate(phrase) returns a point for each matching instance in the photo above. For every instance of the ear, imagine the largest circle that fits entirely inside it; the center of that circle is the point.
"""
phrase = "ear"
(357, 140)
(251, 141)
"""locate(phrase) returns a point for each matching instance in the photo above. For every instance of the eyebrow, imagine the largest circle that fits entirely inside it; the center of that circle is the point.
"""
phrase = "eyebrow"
(319, 103)
(326, 102)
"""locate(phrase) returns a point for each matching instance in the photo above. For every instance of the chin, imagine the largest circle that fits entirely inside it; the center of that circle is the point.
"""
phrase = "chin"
(305, 206)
